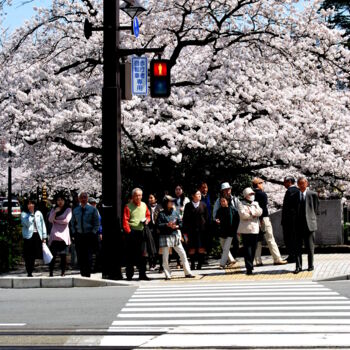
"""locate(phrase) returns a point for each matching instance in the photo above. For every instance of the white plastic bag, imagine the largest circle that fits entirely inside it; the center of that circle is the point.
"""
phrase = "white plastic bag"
(47, 255)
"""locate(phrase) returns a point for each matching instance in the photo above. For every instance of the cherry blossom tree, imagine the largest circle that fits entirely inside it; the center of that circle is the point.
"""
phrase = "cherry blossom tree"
(255, 90)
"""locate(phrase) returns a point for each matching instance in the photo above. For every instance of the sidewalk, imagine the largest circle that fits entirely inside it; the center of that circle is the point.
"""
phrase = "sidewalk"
(327, 267)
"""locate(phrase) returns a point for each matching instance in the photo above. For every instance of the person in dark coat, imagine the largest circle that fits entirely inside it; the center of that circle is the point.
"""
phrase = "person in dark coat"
(154, 209)
(195, 228)
(289, 216)
(307, 224)
(227, 225)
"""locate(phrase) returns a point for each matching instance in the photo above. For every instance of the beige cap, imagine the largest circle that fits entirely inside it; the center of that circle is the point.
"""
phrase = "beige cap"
(247, 191)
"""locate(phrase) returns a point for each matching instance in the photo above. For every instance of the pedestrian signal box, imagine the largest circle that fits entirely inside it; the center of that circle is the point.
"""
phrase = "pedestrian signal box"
(160, 78)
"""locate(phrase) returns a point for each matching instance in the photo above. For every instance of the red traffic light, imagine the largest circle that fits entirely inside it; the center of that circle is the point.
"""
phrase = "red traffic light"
(160, 78)
(160, 69)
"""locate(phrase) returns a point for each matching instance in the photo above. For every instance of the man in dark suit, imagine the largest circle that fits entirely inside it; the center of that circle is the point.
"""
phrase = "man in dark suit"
(307, 224)
(289, 216)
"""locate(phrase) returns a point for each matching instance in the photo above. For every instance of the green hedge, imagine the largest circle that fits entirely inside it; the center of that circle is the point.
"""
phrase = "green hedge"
(11, 244)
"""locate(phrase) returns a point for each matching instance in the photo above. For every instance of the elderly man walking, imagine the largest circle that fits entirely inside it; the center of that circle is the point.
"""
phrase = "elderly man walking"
(136, 215)
(307, 224)
(265, 225)
(85, 224)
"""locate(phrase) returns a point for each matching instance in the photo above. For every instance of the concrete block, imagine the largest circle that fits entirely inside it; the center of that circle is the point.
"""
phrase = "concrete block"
(57, 282)
(26, 282)
(329, 223)
(87, 282)
(5, 282)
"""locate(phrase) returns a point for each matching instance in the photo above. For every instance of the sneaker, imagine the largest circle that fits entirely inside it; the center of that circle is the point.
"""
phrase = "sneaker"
(280, 262)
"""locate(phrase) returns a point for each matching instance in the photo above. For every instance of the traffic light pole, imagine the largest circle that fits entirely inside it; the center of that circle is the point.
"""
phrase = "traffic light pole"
(111, 143)
(111, 135)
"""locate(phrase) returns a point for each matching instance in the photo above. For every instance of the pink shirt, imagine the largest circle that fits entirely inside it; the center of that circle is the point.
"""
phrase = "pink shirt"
(60, 226)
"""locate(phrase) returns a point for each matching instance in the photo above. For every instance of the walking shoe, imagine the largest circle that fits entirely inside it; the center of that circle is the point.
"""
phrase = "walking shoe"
(190, 276)
(222, 267)
(280, 262)
(249, 272)
(167, 278)
(260, 264)
(297, 270)
(311, 268)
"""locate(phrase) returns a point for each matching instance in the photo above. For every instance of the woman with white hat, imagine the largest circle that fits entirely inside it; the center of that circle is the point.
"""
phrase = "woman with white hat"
(169, 224)
(249, 213)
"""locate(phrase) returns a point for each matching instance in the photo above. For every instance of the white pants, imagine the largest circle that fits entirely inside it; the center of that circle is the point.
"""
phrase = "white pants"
(226, 254)
(266, 227)
(183, 258)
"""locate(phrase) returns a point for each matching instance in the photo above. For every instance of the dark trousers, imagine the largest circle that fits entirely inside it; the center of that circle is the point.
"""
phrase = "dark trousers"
(58, 247)
(235, 246)
(289, 237)
(249, 246)
(32, 249)
(85, 246)
(306, 237)
(135, 255)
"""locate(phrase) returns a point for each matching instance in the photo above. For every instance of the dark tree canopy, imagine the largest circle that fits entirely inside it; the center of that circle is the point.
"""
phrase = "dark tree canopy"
(341, 18)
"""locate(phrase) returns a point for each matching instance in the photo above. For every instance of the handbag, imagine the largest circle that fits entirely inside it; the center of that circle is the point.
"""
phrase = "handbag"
(47, 255)
(149, 247)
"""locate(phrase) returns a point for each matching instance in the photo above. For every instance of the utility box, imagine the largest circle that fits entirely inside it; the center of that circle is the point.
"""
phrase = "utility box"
(125, 81)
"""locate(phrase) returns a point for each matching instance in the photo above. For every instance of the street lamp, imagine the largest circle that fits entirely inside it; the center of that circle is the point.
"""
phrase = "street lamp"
(111, 136)
(132, 8)
(111, 127)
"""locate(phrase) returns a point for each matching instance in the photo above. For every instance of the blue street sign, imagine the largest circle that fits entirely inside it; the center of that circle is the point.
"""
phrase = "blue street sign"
(136, 27)
(139, 75)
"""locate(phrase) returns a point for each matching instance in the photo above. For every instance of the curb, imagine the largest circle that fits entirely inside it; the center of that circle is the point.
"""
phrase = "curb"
(65, 282)
(336, 278)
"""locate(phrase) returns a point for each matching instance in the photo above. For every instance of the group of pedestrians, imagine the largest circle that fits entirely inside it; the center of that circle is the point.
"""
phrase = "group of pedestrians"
(179, 225)
(81, 225)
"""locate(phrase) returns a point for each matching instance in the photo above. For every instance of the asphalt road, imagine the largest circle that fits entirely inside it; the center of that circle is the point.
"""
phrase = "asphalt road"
(63, 308)
(185, 315)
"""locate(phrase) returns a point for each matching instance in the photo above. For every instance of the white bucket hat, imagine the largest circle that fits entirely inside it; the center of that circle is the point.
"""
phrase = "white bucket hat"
(225, 186)
(247, 191)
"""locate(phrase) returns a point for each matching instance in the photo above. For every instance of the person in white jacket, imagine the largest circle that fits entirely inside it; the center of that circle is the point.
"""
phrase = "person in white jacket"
(249, 212)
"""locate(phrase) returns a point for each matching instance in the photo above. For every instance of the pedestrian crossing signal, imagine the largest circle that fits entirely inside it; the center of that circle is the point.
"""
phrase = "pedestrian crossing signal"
(160, 78)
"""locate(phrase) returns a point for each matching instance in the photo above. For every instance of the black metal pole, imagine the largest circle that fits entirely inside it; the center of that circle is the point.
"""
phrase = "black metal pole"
(9, 191)
(111, 143)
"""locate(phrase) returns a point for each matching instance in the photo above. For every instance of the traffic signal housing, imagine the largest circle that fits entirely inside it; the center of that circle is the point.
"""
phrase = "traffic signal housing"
(160, 78)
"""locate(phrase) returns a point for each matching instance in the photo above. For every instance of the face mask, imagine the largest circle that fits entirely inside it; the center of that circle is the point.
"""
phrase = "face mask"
(251, 198)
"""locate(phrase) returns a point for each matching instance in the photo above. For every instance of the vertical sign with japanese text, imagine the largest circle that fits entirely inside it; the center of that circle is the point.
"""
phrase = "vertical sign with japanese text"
(139, 75)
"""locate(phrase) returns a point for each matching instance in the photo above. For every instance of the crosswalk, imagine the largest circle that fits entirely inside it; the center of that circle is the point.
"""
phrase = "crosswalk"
(264, 315)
